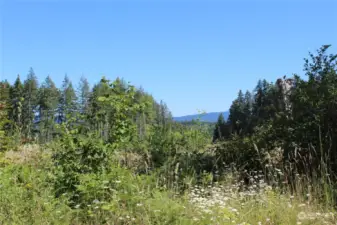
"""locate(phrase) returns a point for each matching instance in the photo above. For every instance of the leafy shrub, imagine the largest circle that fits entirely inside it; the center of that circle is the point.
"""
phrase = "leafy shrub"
(75, 155)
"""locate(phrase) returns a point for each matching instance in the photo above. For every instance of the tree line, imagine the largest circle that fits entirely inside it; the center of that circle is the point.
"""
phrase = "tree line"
(126, 118)
(33, 111)
(291, 123)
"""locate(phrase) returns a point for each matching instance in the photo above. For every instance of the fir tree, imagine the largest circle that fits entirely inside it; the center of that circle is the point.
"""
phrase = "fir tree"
(247, 112)
(4, 109)
(83, 95)
(237, 116)
(219, 128)
(48, 102)
(16, 101)
(30, 103)
(67, 102)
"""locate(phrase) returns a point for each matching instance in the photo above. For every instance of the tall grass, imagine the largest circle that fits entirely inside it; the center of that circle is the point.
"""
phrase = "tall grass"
(27, 196)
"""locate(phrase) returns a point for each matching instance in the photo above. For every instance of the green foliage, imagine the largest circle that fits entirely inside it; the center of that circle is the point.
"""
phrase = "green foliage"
(67, 102)
(122, 107)
(76, 155)
(30, 103)
(222, 129)
(291, 125)
(121, 197)
(118, 158)
(83, 96)
(113, 109)
(16, 101)
(236, 113)
(26, 197)
(4, 121)
(48, 97)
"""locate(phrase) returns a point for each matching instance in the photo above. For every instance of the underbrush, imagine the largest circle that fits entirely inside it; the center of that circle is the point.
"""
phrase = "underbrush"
(120, 196)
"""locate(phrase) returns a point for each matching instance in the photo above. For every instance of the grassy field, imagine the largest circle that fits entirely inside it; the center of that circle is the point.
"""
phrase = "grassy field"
(28, 196)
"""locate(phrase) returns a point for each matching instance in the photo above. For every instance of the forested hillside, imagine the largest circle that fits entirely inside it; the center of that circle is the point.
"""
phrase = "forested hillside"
(111, 154)
(210, 117)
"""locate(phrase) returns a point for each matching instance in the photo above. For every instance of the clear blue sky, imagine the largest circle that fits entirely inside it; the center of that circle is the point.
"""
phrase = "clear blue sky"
(191, 54)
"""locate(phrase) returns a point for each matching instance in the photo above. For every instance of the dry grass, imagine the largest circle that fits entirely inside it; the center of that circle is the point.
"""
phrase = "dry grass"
(24, 154)
(131, 160)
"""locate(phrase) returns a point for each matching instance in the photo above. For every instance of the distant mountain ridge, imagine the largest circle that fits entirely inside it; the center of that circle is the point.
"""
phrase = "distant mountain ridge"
(211, 117)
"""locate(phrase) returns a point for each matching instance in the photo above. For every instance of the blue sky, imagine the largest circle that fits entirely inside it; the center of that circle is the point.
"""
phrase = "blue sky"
(191, 54)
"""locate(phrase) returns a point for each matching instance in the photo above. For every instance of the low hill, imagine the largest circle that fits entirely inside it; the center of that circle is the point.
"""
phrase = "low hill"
(211, 117)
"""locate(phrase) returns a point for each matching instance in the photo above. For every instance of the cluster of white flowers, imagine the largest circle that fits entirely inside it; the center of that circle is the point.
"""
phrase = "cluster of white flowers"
(215, 202)
(127, 217)
(229, 200)
(208, 198)
(307, 216)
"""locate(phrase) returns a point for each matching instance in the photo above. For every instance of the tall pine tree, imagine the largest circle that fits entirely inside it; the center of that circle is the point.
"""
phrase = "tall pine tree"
(4, 103)
(83, 95)
(247, 111)
(30, 103)
(67, 102)
(236, 116)
(221, 130)
(16, 102)
(99, 112)
(48, 102)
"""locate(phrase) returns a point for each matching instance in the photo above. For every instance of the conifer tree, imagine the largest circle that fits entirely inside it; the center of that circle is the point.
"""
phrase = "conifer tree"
(16, 101)
(4, 122)
(236, 116)
(98, 112)
(219, 131)
(263, 100)
(67, 102)
(83, 95)
(48, 102)
(30, 103)
(247, 111)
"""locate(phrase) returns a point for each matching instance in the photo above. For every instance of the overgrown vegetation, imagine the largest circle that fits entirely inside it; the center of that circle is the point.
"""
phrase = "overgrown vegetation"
(113, 155)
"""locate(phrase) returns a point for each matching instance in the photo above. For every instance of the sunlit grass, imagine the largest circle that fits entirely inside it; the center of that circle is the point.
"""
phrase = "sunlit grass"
(27, 197)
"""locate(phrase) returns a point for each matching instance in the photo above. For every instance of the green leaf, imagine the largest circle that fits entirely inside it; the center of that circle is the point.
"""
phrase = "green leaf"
(101, 98)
